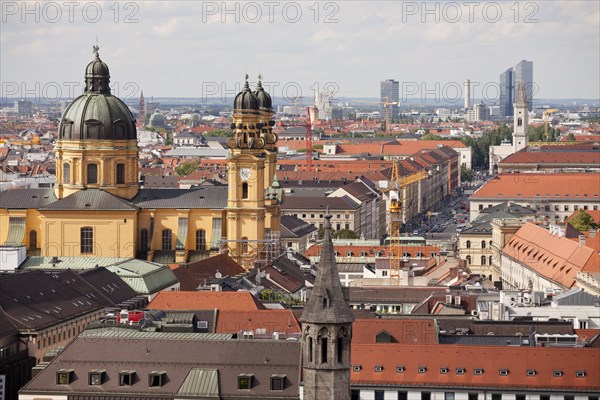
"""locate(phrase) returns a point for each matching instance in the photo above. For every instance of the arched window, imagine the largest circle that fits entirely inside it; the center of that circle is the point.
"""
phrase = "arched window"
(144, 240)
(244, 245)
(310, 349)
(324, 350)
(483, 244)
(468, 244)
(244, 190)
(340, 349)
(483, 259)
(86, 240)
(468, 258)
(32, 240)
(167, 240)
(520, 121)
(66, 173)
(200, 240)
(490, 260)
(92, 173)
(120, 171)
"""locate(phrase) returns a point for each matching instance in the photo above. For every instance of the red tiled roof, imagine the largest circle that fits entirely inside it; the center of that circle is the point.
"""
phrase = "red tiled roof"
(555, 155)
(234, 301)
(315, 250)
(580, 186)
(283, 321)
(553, 257)
(406, 331)
(517, 360)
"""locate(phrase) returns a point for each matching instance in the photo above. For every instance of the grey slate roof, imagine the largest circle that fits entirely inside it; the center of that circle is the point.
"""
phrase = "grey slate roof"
(483, 228)
(178, 354)
(293, 227)
(213, 197)
(311, 203)
(35, 300)
(26, 198)
(327, 289)
(90, 199)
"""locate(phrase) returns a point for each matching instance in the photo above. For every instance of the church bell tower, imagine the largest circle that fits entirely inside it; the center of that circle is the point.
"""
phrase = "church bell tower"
(521, 119)
(326, 331)
(253, 204)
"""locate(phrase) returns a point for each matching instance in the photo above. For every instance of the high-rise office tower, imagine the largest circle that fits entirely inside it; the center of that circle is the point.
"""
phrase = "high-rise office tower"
(506, 92)
(524, 72)
(390, 89)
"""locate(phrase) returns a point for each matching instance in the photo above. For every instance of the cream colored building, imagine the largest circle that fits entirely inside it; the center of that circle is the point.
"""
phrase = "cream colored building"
(97, 208)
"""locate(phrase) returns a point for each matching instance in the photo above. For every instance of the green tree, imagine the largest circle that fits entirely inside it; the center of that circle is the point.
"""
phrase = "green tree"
(583, 222)
(430, 136)
(186, 168)
(466, 175)
(571, 137)
(345, 234)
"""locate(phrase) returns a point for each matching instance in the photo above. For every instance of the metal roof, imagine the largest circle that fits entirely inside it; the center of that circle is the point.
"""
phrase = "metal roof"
(78, 263)
(205, 197)
(201, 382)
(16, 231)
(90, 199)
(26, 198)
(144, 277)
(124, 333)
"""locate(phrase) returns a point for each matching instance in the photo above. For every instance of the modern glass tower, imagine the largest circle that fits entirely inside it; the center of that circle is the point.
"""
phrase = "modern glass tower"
(506, 92)
(391, 89)
(524, 72)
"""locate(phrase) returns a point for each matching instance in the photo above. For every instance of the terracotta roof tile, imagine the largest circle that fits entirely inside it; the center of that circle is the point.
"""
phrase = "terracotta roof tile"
(582, 186)
(233, 301)
(283, 321)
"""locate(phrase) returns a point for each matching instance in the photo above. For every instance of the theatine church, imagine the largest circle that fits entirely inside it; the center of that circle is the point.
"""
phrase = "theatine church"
(98, 209)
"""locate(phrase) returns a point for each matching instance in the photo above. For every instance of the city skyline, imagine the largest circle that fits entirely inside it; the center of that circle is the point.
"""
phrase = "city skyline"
(389, 40)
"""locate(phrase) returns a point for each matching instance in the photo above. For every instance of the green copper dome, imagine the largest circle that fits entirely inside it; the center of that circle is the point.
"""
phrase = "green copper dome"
(96, 114)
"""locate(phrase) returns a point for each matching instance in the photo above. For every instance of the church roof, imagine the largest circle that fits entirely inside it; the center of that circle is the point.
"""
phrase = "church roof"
(204, 197)
(326, 303)
(90, 199)
(26, 198)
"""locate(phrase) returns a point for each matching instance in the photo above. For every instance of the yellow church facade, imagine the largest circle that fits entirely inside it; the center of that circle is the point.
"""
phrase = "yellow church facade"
(97, 208)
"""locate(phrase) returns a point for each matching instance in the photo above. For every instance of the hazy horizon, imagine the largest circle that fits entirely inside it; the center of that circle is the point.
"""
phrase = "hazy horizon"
(197, 49)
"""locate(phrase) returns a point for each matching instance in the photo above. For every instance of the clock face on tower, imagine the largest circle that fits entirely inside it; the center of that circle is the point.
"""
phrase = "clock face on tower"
(245, 174)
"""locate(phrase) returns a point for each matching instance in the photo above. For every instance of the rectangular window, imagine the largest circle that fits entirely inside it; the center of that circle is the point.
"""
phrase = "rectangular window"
(520, 397)
(569, 397)
(126, 378)
(355, 394)
(245, 382)
(379, 395)
(167, 240)
(473, 396)
(449, 396)
(277, 382)
(496, 396)
(156, 378)
(544, 397)
(96, 377)
(120, 178)
(64, 376)
(66, 173)
(86, 240)
(402, 395)
(425, 395)
(92, 173)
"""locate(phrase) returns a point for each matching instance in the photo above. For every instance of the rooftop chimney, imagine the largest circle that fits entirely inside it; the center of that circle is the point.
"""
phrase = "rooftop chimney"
(581, 240)
(592, 233)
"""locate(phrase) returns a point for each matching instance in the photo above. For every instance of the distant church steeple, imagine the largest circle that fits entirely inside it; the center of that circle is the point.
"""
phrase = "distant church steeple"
(521, 119)
(327, 331)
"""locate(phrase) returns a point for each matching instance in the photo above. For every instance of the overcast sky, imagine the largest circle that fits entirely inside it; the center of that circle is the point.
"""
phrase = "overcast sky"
(191, 49)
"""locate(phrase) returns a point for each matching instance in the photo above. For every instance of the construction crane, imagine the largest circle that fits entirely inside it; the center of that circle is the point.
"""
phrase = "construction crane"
(387, 103)
(397, 184)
